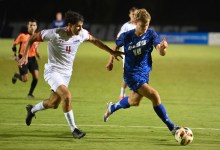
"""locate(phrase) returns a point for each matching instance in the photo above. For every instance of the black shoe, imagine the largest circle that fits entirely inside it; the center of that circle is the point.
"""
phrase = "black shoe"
(78, 134)
(173, 132)
(14, 79)
(30, 115)
(30, 96)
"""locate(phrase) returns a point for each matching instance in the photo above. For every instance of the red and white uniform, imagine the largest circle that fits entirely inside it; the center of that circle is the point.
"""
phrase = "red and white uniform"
(62, 50)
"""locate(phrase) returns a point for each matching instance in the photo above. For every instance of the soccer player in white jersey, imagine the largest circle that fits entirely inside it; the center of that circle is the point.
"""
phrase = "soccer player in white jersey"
(62, 47)
(131, 24)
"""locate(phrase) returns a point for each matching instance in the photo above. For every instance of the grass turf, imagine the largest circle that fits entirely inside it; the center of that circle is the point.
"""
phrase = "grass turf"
(187, 79)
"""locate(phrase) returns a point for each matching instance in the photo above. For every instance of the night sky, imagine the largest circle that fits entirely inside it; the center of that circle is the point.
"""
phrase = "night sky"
(163, 12)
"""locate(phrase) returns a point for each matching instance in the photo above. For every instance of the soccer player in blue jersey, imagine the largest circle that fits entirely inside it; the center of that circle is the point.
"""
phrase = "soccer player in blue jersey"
(138, 45)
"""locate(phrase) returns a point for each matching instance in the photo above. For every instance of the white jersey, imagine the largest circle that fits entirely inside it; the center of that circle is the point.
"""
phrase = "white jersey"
(62, 49)
(126, 27)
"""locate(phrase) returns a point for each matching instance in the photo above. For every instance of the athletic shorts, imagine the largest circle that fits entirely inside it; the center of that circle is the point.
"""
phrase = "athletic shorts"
(31, 65)
(134, 82)
(55, 79)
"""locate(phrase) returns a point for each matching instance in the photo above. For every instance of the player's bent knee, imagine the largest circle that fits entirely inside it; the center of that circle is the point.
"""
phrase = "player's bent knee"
(24, 80)
(134, 103)
(55, 106)
(155, 98)
(67, 101)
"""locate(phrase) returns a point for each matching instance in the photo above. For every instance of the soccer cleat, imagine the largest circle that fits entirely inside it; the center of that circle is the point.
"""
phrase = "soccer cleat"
(108, 111)
(30, 96)
(175, 129)
(14, 79)
(30, 115)
(78, 134)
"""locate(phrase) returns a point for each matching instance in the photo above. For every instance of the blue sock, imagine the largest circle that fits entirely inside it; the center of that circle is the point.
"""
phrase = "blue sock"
(161, 112)
(121, 104)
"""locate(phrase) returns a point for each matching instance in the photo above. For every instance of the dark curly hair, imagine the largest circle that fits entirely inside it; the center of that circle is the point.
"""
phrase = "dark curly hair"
(72, 17)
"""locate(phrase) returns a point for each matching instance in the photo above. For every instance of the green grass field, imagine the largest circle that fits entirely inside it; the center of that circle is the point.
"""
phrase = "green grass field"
(187, 78)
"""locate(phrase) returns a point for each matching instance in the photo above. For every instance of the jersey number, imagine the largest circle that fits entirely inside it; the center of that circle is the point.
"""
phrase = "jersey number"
(137, 51)
(68, 49)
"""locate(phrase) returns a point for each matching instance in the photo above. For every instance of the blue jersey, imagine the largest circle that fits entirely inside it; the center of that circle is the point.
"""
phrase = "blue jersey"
(138, 61)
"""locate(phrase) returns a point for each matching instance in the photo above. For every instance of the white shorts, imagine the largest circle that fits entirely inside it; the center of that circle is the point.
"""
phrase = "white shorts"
(55, 79)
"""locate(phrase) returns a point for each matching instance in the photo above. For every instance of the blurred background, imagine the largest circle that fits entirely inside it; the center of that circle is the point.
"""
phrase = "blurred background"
(103, 18)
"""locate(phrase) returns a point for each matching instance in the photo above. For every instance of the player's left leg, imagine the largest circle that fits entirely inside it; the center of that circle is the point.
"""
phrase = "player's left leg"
(123, 85)
(33, 83)
(149, 92)
(33, 68)
(22, 75)
(65, 95)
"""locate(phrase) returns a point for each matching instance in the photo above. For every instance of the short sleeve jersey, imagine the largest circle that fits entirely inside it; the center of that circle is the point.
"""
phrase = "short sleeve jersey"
(22, 39)
(62, 48)
(138, 51)
(126, 27)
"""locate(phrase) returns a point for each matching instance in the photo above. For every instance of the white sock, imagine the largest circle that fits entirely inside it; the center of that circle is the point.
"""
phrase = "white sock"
(38, 107)
(122, 92)
(70, 119)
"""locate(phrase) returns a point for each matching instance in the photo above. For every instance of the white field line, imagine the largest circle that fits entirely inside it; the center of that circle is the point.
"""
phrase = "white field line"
(112, 126)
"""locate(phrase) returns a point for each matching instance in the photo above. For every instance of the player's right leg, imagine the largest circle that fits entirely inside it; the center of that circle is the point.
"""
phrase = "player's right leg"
(52, 102)
(133, 100)
(15, 77)
(22, 75)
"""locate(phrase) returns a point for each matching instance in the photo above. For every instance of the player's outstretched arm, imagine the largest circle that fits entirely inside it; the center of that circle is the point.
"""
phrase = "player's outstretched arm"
(24, 60)
(109, 65)
(101, 45)
(162, 47)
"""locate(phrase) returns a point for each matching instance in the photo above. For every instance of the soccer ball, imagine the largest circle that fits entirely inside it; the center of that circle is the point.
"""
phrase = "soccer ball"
(184, 136)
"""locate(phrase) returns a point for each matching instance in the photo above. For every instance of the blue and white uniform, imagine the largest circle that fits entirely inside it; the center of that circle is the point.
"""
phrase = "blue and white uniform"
(138, 61)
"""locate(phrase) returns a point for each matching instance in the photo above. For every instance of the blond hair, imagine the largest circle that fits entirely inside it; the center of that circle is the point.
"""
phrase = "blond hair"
(143, 15)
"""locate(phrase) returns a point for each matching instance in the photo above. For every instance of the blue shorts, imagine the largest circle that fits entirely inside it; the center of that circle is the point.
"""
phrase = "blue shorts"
(134, 82)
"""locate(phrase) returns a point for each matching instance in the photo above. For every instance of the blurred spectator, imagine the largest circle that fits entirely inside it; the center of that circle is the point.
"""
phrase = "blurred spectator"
(58, 22)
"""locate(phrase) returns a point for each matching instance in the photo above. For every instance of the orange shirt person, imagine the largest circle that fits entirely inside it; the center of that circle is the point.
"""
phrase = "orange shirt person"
(22, 39)
(32, 64)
